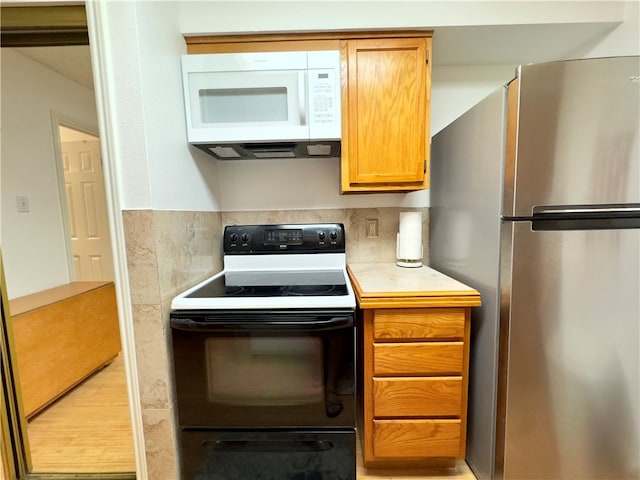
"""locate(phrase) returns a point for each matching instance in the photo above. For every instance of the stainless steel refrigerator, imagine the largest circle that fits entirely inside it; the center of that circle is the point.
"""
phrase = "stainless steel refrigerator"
(535, 202)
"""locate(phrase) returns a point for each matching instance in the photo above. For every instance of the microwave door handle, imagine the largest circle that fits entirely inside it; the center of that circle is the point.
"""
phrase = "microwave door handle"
(303, 106)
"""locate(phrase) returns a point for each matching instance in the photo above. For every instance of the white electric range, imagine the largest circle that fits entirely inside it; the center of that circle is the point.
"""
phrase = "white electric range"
(264, 358)
(276, 266)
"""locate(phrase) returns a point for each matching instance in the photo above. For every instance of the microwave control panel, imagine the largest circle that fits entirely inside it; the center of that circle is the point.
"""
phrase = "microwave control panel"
(322, 96)
(323, 78)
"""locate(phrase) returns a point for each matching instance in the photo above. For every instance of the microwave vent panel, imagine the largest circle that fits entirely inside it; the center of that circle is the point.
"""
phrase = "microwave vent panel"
(225, 152)
(320, 149)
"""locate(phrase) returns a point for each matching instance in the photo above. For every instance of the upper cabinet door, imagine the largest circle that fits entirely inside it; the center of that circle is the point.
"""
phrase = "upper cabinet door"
(386, 95)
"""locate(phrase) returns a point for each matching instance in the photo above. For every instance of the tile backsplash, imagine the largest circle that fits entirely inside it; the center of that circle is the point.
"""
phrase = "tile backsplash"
(169, 251)
(360, 247)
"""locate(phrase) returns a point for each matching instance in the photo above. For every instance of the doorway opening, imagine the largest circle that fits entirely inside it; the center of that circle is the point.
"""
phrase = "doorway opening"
(79, 420)
(65, 335)
(47, 275)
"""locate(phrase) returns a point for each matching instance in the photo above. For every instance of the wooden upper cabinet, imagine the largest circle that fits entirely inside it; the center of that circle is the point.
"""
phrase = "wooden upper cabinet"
(385, 114)
(386, 94)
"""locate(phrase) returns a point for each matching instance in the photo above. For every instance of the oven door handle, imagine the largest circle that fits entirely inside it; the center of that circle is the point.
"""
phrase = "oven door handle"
(263, 324)
(268, 446)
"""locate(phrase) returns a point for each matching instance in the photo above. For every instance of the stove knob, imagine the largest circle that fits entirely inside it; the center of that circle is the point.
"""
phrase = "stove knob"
(333, 235)
(233, 237)
(321, 235)
(245, 237)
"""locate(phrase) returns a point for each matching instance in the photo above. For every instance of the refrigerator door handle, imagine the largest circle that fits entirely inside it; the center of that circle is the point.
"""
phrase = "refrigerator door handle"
(585, 217)
(614, 210)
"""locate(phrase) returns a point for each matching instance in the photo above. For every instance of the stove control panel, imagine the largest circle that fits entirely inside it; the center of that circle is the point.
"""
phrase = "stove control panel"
(284, 238)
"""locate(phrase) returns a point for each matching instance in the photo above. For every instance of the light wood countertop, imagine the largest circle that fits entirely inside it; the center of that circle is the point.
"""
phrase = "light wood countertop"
(385, 285)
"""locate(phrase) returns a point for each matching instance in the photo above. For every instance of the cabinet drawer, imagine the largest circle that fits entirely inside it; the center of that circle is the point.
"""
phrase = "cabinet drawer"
(428, 358)
(414, 323)
(417, 397)
(416, 438)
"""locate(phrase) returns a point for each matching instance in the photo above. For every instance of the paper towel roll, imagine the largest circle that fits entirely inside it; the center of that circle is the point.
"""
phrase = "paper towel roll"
(409, 247)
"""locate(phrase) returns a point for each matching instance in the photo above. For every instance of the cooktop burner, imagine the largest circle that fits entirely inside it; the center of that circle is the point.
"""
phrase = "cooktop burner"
(274, 284)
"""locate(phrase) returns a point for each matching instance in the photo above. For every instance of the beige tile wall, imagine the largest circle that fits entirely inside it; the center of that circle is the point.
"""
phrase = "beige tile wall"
(169, 251)
(360, 248)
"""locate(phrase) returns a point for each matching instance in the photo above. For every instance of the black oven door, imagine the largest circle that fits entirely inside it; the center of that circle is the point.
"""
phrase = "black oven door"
(250, 369)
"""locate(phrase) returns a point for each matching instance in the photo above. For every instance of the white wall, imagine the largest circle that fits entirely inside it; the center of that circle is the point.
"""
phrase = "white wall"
(140, 47)
(623, 40)
(231, 16)
(33, 243)
(456, 88)
(177, 177)
(143, 41)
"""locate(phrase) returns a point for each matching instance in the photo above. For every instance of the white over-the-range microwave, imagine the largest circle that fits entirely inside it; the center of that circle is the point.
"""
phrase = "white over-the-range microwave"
(263, 105)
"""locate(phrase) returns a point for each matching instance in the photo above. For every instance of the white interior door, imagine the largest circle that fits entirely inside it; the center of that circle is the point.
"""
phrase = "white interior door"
(86, 206)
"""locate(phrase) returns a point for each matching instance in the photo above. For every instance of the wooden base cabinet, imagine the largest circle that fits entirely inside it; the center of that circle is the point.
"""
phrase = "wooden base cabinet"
(413, 364)
(414, 384)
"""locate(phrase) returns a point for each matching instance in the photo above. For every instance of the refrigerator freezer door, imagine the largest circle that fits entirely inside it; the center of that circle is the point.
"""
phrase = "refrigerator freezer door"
(573, 385)
(578, 129)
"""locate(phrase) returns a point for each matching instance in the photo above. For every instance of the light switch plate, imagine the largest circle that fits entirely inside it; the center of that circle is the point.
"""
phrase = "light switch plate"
(23, 203)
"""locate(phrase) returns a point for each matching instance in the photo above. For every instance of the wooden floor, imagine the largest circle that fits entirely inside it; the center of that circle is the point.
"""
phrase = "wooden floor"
(87, 430)
(460, 472)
